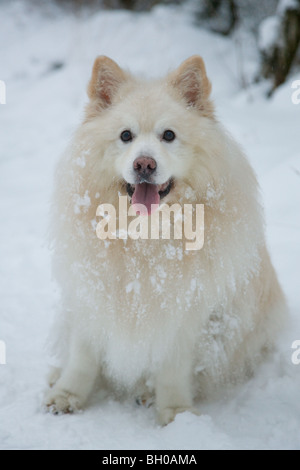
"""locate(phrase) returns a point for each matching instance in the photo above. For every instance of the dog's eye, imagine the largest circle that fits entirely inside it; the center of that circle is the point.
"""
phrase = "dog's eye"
(126, 136)
(168, 136)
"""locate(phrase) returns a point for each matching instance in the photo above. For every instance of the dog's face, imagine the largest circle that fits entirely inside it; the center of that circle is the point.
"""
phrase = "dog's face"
(148, 128)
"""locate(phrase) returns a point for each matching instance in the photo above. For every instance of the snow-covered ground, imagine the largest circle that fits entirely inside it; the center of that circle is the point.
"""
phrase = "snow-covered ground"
(45, 60)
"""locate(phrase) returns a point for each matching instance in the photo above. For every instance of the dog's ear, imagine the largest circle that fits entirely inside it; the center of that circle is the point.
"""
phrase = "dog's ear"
(106, 79)
(191, 81)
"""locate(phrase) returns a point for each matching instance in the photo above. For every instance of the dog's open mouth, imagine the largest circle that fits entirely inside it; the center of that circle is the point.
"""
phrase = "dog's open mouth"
(148, 194)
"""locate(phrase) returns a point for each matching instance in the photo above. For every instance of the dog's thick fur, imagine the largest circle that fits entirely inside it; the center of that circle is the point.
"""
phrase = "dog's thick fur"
(147, 314)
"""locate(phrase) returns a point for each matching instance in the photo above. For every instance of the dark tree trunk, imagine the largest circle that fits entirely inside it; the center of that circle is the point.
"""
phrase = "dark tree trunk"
(137, 5)
(278, 59)
(222, 14)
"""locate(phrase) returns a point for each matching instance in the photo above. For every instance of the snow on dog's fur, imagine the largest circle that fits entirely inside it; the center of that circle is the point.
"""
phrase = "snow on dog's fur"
(147, 315)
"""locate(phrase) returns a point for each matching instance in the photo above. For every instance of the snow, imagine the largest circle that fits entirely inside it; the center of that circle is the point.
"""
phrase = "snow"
(287, 5)
(268, 29)
(268, 33)
(46, 60)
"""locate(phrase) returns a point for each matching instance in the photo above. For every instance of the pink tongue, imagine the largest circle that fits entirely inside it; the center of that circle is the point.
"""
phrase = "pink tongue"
(147, 195)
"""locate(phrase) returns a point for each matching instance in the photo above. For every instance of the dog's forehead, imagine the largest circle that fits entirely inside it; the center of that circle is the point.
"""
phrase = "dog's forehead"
(150, 106)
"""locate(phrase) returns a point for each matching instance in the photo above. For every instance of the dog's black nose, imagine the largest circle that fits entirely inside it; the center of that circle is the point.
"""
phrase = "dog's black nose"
(144, 167)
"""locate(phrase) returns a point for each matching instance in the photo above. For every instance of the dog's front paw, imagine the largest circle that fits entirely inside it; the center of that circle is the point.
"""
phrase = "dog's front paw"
(145, 400)
(167, 415)
(60, 401)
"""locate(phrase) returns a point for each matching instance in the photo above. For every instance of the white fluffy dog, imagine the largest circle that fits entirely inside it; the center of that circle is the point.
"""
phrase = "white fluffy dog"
(149, 315)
